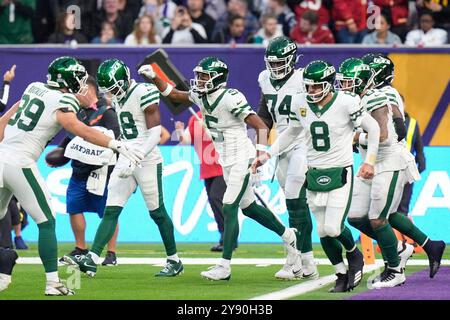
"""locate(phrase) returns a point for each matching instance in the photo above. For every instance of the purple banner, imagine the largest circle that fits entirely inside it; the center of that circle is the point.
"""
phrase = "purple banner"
(244, 64)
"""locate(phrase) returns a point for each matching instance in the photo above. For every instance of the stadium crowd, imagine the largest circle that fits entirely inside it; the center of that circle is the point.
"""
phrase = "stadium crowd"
(139, 22)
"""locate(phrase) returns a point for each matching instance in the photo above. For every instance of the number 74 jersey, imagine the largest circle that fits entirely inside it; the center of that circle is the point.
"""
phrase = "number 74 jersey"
(328, 130)
(34, 124)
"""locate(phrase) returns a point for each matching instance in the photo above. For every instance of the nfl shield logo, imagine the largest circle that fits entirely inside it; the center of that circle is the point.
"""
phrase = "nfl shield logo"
(303, 112)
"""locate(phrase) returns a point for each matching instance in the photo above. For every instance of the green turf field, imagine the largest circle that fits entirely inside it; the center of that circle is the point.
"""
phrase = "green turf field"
(138, 281)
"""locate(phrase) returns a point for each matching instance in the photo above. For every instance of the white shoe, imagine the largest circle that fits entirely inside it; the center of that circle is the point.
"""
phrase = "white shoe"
(390, 279)
(405, 253)
(57, 289)
(290, 271)
(309, 269)
(217, 272)
(4, 284)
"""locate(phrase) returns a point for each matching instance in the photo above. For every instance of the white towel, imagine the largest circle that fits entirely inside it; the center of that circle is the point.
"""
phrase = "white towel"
(97, 181)
(89, 153)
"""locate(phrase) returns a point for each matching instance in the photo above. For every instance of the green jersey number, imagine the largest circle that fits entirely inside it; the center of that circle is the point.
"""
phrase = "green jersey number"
(320, 136)
(284, 109)
(216, 135)
(28, 115)
(129, 130)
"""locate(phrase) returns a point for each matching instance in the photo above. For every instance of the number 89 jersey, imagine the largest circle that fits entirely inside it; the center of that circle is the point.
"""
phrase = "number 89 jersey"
(130, 111)
(329, 130)
(34, 124)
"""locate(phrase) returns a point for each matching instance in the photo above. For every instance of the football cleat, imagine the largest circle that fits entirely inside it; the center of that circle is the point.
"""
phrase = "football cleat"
(355, 261)
(171, 269)
(75, 252)
(83, 262)
(291, 271)
(290, 244)
(405, 253)
(389, 279)
(435, 255)
(110, 259)
(310, 270)
(57, 289)
(20, 243)
(341, 284)
(217, 272)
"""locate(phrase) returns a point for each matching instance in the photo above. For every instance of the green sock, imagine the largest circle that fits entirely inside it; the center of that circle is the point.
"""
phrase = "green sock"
(388, 244)
(404, 225)
(48, 246)
(346, 239)
(165, 227)
(300, 218)
(363, 225)
(333, 249)
(264, 217)
(106, 229)
(231, 229)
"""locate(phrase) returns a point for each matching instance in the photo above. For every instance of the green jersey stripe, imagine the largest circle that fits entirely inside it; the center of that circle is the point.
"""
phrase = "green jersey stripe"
(151, 94)
(68, 103)
(66, 96)
(376, 100)
(149, 101)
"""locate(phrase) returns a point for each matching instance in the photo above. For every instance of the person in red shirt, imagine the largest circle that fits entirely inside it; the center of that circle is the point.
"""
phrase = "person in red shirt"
(321, 7)
(308, 30)
(350, 20)
(398, 11)
(210, 169)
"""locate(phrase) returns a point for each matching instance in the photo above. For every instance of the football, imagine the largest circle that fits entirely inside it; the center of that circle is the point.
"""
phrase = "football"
(56, 158)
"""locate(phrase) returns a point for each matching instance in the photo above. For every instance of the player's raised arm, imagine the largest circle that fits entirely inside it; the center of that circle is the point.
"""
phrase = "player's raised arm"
(165, 88)
(69, 121)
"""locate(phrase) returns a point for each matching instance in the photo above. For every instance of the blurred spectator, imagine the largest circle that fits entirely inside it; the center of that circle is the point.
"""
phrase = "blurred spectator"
(183, 30)
(195, 8)
(322, 7)
(270, 29)
(382, 35)
(233, 33)
(130, 7)
(350, 20)
(237, 8)
(44, 20)
(167, 9)
(14, 219)
(144, 32)
(398, 12)
(308, 30)
(441, 12)
(66, 32)
(16, 21)
(215, 8)
(284, 15)
(122, 20)
(152, 8)
(108, 34)
(426, 35)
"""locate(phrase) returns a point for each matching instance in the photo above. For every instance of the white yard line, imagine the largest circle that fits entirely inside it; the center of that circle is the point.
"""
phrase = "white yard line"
(235, 261)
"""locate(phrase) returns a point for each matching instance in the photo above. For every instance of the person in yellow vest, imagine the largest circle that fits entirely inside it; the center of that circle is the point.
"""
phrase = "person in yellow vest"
(415, 146)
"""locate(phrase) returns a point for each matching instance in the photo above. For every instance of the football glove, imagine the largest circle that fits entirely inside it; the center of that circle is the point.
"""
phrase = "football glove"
(134, 156)
(147, 71)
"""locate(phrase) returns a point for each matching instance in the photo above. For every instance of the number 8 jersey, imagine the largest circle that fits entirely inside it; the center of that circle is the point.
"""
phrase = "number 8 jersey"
(34, 124)
(329, 130)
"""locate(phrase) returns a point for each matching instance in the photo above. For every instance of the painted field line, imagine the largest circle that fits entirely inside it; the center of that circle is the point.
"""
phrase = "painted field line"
(212, 261)
(307, 286)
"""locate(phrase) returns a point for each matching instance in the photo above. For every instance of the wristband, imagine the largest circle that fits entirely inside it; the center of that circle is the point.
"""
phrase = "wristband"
(168, 90)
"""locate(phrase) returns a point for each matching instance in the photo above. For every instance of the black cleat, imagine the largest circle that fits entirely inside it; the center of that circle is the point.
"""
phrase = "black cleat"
(8, 259)
(341, 284)
(355, 261)
(75, 252)
(110, 259)
(435, 255)
(217, 248)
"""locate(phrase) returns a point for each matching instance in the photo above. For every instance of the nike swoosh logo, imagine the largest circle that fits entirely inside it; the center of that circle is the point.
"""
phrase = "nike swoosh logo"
(88, 265)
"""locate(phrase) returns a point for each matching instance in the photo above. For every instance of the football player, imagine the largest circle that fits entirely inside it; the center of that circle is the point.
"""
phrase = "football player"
(328, 119)
(137, 106)
(8, 259)
(226, 113)
(279, 83)
(383, 69)
(26, 129)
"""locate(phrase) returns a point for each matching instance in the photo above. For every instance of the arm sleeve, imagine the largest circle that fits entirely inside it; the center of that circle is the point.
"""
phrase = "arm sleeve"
(370, 125)
(152, 139)
(263, 112)
(285, 139)
(4, 95)
(238, 105)
(418, 146)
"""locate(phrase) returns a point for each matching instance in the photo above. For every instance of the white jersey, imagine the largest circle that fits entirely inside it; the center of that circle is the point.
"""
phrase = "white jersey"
(278, 96)
(388, 155)
(130, 111)
(34, 125)
(329, 130)
(394, 98)
(224, 112)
